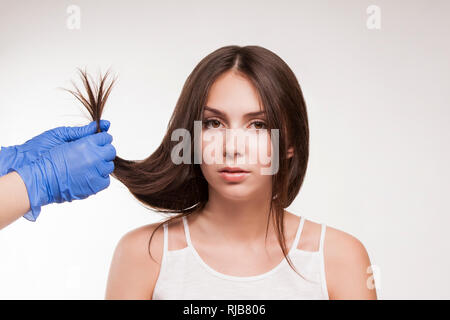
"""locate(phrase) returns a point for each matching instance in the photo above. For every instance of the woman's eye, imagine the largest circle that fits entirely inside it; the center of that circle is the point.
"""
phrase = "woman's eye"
(259, 125)
(213, 122)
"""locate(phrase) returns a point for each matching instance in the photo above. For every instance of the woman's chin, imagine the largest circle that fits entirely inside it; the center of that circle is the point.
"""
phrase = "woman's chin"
(236, 193)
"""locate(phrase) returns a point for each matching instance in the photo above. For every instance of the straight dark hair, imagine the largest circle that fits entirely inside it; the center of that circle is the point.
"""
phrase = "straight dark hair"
(180, 189)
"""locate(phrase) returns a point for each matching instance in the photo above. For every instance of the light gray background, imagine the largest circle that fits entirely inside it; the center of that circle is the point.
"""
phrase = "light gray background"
(378, 104)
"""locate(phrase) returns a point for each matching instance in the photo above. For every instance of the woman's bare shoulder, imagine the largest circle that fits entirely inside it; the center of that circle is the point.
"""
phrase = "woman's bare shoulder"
(346, 266)
(136, 241)
(133, 272)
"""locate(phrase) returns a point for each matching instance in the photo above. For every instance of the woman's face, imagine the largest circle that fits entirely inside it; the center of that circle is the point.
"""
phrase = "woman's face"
(233, 103)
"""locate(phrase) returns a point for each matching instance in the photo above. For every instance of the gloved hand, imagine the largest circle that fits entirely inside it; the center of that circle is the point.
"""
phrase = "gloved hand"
(72, 170)
(20, 155)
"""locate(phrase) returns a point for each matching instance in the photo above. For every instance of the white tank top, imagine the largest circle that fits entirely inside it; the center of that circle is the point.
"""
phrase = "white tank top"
(184, 275)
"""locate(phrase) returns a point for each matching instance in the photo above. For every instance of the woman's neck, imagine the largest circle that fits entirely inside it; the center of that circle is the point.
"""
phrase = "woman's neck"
(242, 221)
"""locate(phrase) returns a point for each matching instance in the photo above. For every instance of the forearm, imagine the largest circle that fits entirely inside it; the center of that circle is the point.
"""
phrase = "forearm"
(14, 202)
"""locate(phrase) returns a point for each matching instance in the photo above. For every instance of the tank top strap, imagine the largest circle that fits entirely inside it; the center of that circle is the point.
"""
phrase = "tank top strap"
(299, 232)
(166, 237)
(322, 237)
(186, 232)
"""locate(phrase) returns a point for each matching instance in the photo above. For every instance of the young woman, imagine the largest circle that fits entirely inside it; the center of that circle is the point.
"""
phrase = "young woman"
(231, 237)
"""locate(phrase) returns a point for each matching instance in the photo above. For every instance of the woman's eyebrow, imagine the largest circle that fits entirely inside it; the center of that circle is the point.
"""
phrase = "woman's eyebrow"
(250, 114)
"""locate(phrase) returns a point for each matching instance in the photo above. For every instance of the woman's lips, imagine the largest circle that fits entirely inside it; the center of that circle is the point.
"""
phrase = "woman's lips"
(234, 176)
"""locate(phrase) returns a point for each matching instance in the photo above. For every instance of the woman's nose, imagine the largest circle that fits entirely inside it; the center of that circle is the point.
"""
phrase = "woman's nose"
(234, 143)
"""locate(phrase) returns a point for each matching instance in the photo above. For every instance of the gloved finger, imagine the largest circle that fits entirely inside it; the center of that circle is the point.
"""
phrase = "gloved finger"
(105, 168)
(108, 152)
(103, 184)
(101, 138)
(75, 133)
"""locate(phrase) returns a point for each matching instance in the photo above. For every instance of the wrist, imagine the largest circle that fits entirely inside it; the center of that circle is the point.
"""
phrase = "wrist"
(35, 180)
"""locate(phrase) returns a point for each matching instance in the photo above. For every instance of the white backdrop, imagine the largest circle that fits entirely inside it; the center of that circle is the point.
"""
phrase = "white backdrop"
(378, 104)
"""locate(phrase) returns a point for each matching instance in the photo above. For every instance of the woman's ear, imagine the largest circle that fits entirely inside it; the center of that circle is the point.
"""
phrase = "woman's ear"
(290, 152)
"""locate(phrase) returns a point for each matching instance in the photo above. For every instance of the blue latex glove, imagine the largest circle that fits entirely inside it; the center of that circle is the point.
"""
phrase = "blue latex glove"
(69, 171)
(20, 155)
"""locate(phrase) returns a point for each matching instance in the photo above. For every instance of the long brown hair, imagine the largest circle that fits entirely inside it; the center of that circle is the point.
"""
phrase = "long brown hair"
(180, 189)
